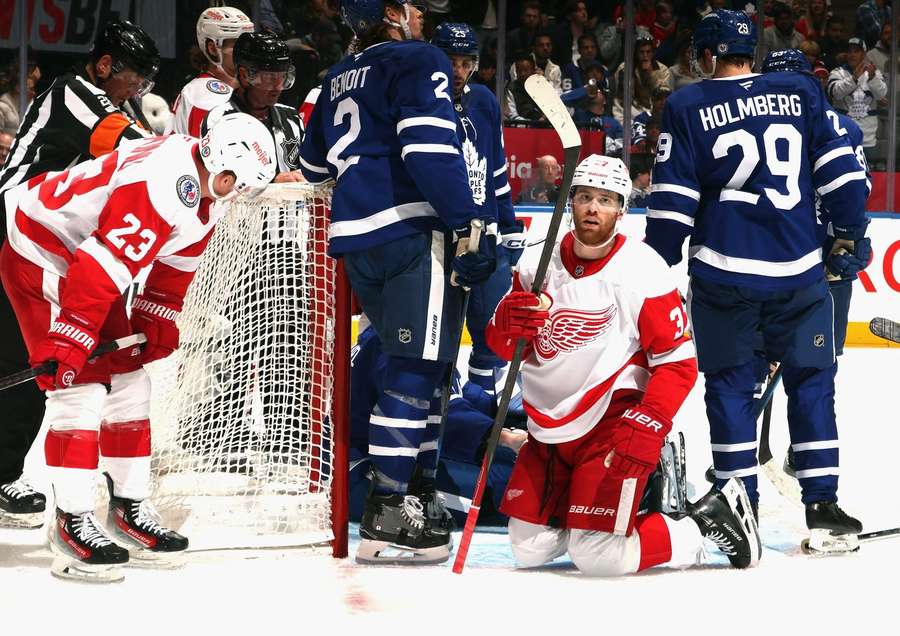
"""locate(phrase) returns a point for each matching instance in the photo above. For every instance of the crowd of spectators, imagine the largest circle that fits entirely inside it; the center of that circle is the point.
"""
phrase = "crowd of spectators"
(578, 45)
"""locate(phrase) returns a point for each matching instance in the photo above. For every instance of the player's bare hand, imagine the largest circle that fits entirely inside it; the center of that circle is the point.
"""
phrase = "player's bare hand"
(294, 176)
(513, 438)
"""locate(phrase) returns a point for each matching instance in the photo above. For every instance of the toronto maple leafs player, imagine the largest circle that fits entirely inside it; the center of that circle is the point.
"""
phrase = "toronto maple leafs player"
(844, 268)
(607, 365)
(739, 163)
(470, 419)
(384, 129)
(480, 129)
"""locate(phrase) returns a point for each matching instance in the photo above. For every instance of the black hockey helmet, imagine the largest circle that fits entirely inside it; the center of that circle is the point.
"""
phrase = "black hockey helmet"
(129, 46)
(264, 53)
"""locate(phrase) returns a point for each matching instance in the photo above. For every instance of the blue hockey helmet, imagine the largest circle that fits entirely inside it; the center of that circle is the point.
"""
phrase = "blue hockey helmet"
(786, 60)
(362, 15)
(725, 32)
(455, 38)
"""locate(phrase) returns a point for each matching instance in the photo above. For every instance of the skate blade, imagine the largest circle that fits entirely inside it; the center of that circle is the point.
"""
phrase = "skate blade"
(822, 542)
(66, 568)
(147, 560)
(385, 553)
(738, 499)
(22, 522)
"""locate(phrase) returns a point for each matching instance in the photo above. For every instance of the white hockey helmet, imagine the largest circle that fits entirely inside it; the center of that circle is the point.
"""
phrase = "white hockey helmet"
(219, 24)
(243, 145)
(608, 173)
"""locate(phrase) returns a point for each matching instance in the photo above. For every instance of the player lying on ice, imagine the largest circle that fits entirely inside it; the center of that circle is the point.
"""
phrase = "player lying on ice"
(77, 240)
(607, 366)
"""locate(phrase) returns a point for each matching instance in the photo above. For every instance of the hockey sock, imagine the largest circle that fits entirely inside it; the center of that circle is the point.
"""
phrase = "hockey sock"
(396, 430)
(813, 429)
(732, 429)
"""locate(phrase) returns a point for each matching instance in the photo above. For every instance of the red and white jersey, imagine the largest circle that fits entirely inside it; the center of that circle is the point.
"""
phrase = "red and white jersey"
(306, 108)
(197, 98)
(101, 222)
(615, 323)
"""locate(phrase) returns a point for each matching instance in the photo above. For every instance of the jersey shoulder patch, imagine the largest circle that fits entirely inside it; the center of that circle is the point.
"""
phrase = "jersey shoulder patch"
(188, 190)
(218, 87)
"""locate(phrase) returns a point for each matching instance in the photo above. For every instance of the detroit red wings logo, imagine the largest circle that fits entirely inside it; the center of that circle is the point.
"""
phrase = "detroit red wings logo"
(572, 329)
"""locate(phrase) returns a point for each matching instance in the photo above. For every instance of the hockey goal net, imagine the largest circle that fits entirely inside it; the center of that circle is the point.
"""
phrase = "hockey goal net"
(249, 413)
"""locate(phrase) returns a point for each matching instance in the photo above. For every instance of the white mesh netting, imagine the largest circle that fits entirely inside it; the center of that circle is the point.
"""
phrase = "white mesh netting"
(241, 434)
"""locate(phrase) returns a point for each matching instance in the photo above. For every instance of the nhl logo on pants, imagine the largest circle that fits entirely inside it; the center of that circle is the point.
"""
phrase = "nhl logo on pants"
(404, 335)
(819, 340)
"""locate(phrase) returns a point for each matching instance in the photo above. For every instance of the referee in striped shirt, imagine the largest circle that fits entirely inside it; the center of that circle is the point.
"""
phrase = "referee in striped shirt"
(78, 118)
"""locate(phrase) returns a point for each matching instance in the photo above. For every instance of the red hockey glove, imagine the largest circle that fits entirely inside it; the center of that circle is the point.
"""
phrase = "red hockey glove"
(637, 443)
(69, 342)
(519, 315)
(153, 313)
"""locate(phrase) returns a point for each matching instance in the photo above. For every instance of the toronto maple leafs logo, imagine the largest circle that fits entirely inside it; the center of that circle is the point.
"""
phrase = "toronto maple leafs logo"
(572, 329)
(477, 169)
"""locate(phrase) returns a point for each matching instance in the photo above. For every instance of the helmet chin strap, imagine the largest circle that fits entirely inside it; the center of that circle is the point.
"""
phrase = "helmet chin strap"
(597, 248)
(212, 190)
(403, 25)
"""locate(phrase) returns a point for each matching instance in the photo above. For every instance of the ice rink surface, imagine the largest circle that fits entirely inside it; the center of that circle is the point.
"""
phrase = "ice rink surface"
(276, 591)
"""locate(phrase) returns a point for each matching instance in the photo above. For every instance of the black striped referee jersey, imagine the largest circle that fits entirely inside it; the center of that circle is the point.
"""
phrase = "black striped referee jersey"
(70, 122)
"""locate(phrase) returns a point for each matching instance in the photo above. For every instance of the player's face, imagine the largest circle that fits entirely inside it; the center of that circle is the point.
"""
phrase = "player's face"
(595, 212)
(463, 66)
(416, 21)
(228, 57)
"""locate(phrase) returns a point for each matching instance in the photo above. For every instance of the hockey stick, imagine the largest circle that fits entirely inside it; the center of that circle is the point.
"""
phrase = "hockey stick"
(879, 534)
(787, 486)
(471, 246)
(548, 101)
(885, 328)
(50, 367)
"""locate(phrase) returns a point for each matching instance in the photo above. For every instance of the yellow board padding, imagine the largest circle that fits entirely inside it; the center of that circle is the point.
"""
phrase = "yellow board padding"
(354, 332)
(858, 335)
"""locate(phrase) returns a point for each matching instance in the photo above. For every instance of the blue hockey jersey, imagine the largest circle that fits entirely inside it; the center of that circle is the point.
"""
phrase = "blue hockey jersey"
(739, 163)
(846, 127)
(480, 128)
(383, 128)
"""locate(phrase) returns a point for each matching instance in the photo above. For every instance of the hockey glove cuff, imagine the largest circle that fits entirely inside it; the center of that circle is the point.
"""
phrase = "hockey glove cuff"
(520, 314)
(846, 265)
(472, 268)
(513, 242)
(637, 443)
(153, 314)
(69, 342)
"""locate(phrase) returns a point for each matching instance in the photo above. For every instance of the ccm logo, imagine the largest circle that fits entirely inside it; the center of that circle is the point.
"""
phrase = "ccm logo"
(592, 510)
(641, 418)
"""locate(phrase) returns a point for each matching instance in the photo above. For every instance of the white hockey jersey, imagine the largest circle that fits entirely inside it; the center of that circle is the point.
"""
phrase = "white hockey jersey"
(615, 323)
(101, 222)
(197, 98)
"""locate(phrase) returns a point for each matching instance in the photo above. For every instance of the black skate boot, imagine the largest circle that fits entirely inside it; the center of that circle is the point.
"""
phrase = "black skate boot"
(725, 518)
(83, 550)
(831, 530)
(394, 531)
(21, 506)
(136, 525)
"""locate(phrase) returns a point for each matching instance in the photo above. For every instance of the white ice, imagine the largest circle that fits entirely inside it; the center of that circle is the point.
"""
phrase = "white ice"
(297, 592)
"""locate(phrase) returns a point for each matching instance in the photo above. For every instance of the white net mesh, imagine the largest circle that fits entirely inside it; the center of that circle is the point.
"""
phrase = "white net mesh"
(241, 434)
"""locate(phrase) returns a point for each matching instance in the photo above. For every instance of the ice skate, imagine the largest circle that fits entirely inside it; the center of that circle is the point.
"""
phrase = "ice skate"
(21, 506)
(82, 550)
(831, 530)
(137, 526)
(437, 516)
(394, 531)
(726, 518)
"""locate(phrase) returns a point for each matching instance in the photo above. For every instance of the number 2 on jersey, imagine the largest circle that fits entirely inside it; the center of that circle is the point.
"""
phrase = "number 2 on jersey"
(135, 252)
